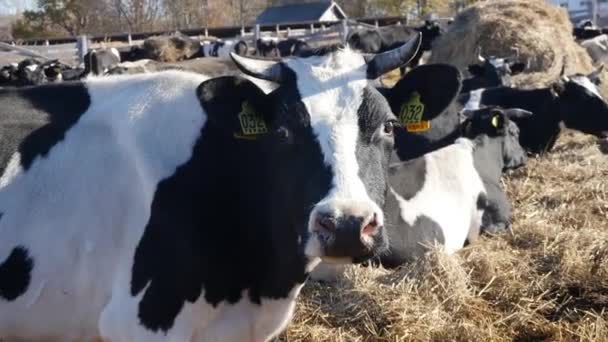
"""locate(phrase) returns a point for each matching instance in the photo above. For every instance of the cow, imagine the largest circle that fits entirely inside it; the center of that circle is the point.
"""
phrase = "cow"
(267, 47)
(387, 37)
(98, 62)
(451, 195)
(597, 48)
(442, 196)
(573, 101)
(491, 72)
(223, 48)
(291, 47)
(136, 206)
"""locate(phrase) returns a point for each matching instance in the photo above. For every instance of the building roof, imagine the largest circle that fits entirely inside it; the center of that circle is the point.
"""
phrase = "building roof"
(312, 11)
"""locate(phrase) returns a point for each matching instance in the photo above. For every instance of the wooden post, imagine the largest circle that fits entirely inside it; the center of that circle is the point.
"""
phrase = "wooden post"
(277, 30)
(288, 32)
(83, 47)
(242, 31)
(256, 33)
(130, 39)
(312, 28)
(376, 23)
(344, 30)
(206, 32)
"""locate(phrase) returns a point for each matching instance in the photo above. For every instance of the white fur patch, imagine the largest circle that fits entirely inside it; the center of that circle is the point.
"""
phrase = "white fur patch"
(115, 52)
(474, 100)
(449, 194)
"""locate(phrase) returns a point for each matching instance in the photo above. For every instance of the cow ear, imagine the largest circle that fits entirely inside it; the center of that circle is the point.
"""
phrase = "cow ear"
(476, 70)
(558, 88)
(517, 68)
(236, 105)
(425, 92)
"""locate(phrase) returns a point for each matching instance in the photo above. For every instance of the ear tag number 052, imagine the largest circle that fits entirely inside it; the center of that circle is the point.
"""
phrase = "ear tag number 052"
(251, 123)
(411, 115)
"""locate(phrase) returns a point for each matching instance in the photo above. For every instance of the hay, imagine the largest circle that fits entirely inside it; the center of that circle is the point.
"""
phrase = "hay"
(533, 31)
(548, 281)
(171, 49)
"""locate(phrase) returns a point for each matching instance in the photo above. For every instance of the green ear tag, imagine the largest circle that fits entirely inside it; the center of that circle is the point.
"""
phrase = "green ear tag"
(495, 121)
(411, 115)
(251, 123)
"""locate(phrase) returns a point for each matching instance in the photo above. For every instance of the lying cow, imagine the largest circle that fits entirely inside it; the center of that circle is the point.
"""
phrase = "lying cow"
(223, 48)
(572, 101)
(267, 47)
(291, 47)
(597, 48)
(143, 219)
(99, 61)
(387, 37)
(491, 72)
(443, 196)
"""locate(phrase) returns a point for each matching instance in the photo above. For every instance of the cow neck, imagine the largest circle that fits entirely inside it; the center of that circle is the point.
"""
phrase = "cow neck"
(538, 133)
(487, 157)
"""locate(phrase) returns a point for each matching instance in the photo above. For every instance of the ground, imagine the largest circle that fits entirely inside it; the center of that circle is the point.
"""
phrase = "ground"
(546, 281)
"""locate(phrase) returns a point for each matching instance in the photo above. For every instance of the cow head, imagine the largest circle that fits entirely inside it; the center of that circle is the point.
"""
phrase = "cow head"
(367, 41)
(581, 106)
(494, 72)
(494, 124)
(421, 100)
(431, 30)
(330, 135)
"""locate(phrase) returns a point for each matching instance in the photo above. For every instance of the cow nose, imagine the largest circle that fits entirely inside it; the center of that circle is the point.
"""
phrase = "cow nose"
(347, 236)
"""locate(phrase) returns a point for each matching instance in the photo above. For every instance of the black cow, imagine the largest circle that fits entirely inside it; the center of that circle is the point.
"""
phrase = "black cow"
(491, 72)
(573, 101)
(98, 62)
(135, 206)
(266, 47)
(292, 47)
(387, 37)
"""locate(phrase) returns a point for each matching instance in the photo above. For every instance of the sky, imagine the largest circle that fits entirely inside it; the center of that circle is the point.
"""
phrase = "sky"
(13, 6)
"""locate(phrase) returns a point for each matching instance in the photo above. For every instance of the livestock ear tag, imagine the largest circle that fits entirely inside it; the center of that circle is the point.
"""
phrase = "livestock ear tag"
(411, 115)
(251, 123)
(495, 121)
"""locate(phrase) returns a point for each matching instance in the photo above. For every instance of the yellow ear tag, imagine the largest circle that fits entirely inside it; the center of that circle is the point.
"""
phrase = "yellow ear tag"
(411, 115)
(251, 123)
(495, 121)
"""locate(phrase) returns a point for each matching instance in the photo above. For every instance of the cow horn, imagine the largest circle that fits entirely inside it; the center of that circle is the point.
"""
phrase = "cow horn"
(379, 64)
(259, 68)
(596, 72)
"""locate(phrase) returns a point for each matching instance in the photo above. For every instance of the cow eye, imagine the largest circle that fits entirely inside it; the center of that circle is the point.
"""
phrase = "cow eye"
(389, 127)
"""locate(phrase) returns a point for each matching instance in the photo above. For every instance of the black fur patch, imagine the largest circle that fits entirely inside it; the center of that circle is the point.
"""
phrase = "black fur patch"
(34, 119)
(15, 274)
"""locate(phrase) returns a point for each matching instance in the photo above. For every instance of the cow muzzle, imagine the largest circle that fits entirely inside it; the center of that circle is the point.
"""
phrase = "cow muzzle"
(345, 232)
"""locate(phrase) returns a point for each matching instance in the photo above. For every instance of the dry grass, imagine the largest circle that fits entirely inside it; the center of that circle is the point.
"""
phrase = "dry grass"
(547, 281)
(533, 30)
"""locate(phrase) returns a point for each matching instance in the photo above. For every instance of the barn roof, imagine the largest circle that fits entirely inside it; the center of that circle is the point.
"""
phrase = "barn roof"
(311, 11)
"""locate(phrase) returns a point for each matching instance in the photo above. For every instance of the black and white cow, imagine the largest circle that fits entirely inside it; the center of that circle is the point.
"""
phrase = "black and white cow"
(449, 196)
(98, 62)
(135, 207)
(491, 72)
(223, 48)
(442, 196)
(573, 101)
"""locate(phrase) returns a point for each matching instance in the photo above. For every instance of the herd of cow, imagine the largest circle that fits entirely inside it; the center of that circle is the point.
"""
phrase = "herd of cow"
(193, 206)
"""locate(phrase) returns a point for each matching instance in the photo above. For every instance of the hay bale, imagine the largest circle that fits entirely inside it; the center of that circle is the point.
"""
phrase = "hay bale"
(171, 49)
(531, 30)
